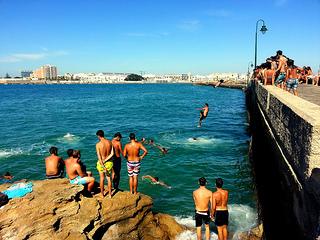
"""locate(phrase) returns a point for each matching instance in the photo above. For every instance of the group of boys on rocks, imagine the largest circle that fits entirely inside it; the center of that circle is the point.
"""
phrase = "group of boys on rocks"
(108, 164)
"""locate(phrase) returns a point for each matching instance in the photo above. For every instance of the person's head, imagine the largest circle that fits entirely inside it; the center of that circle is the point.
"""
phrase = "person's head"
(53, 150)
(7, 176)
(132, 136)
(118, 136)
(70, 152)
(100, 133)
(76, 154)
(202, 181)
(290, 62)
(279, 52)
(219, 182)
(156, 178)
(206, 104)
(151, 141)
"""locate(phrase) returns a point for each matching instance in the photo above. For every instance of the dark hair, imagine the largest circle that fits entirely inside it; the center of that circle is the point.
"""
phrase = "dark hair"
(132, 136)
(290, 62)
(279, 52)
(100, 133)
(219, 182)
(117, 134)
(156, 178)
(53, 150)
(7, 174)
(207, 104)
(202, 181)
(70, 152)
(76, 154)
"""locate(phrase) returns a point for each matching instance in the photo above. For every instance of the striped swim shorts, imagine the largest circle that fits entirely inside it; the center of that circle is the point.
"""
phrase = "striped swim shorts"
(133, 168)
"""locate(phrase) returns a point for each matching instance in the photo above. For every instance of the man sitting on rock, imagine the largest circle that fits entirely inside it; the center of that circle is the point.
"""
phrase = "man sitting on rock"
(76, 174)
(54, 164)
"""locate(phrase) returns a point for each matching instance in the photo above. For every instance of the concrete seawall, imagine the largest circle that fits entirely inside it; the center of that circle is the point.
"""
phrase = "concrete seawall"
(285, 153)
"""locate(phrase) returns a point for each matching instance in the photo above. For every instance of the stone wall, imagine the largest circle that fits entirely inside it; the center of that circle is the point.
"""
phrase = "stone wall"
(286, 140)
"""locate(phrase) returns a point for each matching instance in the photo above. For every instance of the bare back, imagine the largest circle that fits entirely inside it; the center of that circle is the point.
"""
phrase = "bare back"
(292, 72)
(132, 151)
(220, 199)
(202, 197)
(53, 164)
(103, 147)
(205, 111)
(117, 147)
(74, 170)
(282, 64)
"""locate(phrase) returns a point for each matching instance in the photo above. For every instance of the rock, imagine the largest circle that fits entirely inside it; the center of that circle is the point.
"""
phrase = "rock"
(255, 233)
(58, 210)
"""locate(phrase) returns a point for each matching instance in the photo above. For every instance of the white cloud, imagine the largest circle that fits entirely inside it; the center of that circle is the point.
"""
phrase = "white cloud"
(20, 57)
(189, 25)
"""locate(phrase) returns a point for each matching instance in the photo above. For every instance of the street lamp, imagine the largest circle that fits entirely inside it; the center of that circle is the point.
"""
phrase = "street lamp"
(263, 30)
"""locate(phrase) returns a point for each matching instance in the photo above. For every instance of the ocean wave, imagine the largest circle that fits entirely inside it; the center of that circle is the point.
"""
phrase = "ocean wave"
(69, 138)
(4, 153)
(241, 218)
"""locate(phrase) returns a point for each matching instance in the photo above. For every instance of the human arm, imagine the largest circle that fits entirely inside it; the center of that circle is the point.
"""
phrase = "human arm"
(100, 157)
(79, 171)
(213, 206)
(125, 151)
(110, 154)
(145, 151)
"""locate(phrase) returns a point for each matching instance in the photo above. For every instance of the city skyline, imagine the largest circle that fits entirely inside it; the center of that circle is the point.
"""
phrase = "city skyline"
(154, 36)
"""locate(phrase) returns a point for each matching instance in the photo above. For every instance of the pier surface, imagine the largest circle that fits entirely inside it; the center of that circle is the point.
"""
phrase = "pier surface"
(310, 93)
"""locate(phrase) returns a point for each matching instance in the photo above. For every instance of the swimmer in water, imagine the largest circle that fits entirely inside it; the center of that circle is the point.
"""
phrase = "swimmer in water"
(155, 181)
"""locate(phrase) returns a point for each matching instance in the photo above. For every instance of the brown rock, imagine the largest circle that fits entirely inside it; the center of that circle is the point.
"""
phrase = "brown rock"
(57, 210)
(255, 233)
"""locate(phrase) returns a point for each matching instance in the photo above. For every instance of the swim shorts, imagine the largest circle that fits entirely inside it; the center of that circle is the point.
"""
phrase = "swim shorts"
(280, 78)
(221, 217)
(292, 83)
(202, 217)
(133, 168)
(78, 180)
(108, 165)
(59, 175)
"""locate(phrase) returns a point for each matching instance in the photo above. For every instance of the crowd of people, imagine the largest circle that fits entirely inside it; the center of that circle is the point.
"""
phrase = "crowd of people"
(280, 70)
(208, 205)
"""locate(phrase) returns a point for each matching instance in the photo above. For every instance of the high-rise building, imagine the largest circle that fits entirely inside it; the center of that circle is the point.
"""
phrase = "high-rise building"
(47, 72)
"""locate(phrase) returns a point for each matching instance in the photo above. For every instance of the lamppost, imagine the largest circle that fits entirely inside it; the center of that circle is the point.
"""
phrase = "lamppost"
(250, 64)
(263, 30)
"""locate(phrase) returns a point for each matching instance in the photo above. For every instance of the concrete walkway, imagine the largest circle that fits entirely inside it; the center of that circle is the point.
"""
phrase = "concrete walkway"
(310, 93)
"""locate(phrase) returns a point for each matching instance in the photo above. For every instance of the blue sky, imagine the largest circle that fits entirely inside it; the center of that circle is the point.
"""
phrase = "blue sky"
(154, 36)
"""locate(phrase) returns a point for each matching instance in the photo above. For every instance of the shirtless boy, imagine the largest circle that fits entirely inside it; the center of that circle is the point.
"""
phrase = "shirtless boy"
(116, 142)
(132, 153)
(75, 173)
(105, 153)
(202, 198)
(203, 113)
(282, 69)
(292, 81)
(54, 164)
(219, 209)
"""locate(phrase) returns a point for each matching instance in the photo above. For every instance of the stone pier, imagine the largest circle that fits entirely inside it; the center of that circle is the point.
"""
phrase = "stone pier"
(285, 153)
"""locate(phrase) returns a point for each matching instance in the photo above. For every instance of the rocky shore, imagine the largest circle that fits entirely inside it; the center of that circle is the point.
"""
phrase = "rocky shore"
(57, 210)
(225, 84)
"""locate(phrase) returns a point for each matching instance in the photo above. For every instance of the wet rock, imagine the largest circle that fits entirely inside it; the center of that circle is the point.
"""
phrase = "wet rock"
(58, 210)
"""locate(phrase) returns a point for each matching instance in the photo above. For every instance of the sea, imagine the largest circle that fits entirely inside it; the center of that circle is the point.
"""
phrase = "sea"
(36, 117)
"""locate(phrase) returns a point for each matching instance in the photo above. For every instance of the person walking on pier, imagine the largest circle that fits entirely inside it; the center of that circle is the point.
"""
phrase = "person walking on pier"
(282, 69)
(202, 198)
(219, 210)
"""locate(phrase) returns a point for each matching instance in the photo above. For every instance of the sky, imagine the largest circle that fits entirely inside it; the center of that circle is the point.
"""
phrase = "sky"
(155, 36)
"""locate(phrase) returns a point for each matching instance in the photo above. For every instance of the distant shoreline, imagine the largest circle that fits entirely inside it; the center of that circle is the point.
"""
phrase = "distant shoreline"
(225, 84)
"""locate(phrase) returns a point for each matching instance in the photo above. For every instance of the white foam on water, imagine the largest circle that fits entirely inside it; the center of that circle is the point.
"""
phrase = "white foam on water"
(69, 138)
(4, 153)
(241, 218)
(201, 140)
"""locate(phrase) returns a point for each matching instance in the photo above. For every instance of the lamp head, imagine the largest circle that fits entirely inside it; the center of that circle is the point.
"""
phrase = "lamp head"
(263, 29)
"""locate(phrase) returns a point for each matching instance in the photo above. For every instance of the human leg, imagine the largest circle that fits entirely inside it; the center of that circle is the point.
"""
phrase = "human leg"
(199, 233)
(207, 232)
(220, 233)
(225, 232)
(109, 185)
(135, 184)
(131, 184)
(101, 174)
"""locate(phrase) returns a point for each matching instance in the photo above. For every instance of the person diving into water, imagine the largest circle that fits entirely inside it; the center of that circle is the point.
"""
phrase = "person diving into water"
(203, 113)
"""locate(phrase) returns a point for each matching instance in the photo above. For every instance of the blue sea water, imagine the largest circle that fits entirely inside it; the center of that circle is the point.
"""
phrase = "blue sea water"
(35, 117)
